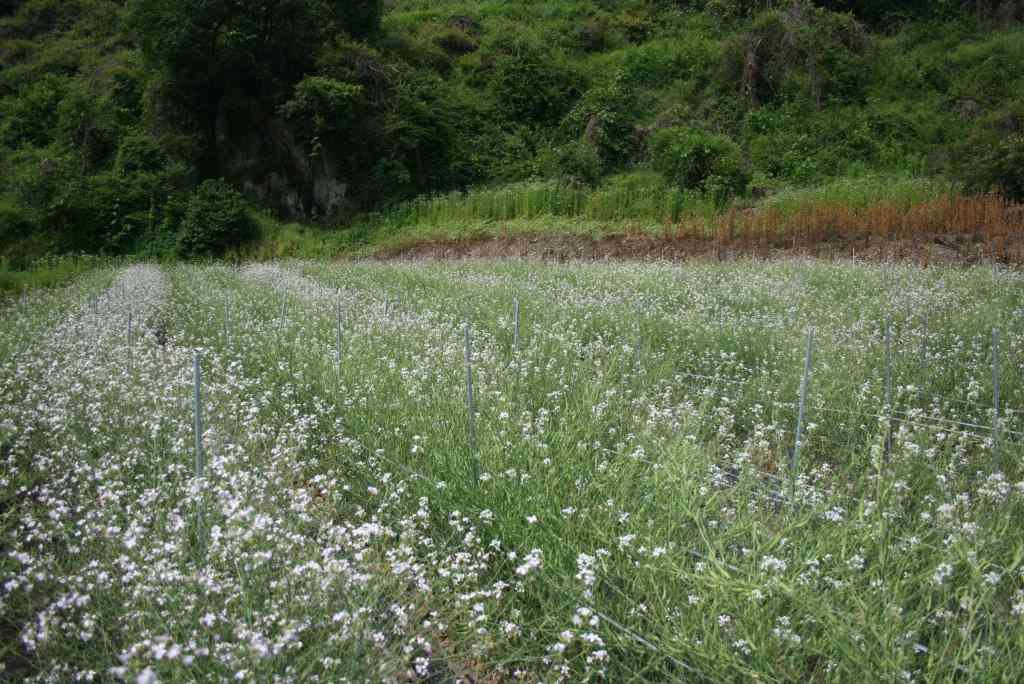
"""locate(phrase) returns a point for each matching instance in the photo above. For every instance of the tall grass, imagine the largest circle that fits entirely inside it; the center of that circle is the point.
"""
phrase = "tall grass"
(890, 207)
(628, 197)
(48, 271)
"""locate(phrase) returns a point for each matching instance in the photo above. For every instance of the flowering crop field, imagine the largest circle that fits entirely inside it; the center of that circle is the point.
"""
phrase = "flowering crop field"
(626, 504)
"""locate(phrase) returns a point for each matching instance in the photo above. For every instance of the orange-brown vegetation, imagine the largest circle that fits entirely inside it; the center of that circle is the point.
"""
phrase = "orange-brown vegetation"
(947, 230)
(986, 221)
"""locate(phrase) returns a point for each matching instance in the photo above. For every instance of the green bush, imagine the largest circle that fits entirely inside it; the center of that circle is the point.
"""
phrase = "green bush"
(215, 219)
(321, 106)
(36, 17)
(578, 162)
(804, 52)
(532, 84)
(139, 152)
(29, 117)
(16, 221)
(695, 160)
(999, 167)
(606, 118)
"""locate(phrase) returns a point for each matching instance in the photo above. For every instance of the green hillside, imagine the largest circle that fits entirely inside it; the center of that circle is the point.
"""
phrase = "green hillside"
(179, 127)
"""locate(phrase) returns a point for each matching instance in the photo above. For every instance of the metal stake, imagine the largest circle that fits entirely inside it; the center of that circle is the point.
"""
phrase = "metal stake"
(197, 410)
(995, 388)
(129, 338)
(795, 465)
(888, 384)
(924, 343)
(515, 339)
(471, 406)
(337, 317)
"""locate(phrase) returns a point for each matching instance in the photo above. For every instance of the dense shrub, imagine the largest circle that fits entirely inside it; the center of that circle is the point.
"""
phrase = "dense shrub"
(139, 152)
(1000, 167)
(533, 84)
(321, 105)
(578, 163)
(29, 117)
(695, 160)
(215, 219)
(803, 52)
(607, 118)
(16, 221)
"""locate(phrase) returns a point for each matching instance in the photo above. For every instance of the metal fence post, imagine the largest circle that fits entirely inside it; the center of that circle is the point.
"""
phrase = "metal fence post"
(795, 463)
(129, 339)
(995, 389)
(471, 405)
(197, 410)
(337, 321)
(924, 343)
(515, 338)
(888, 385)
(200, 464)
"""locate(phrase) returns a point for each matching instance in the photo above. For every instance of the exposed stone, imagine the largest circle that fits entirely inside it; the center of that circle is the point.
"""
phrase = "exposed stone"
(261, 156)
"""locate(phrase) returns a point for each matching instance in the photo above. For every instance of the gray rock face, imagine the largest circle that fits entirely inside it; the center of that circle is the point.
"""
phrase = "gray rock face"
(261, 156)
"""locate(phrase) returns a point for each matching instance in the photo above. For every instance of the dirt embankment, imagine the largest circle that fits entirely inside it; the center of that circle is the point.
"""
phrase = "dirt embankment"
(937, 250)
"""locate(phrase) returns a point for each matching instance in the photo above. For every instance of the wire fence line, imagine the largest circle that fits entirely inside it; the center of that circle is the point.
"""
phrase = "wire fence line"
(775, 497)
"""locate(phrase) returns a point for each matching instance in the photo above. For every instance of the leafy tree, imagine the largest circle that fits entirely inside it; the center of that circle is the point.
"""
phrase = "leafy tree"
(695, 160)
(999, 166)
(359, 18)
(215, 219)
(321, 106)
(532, 85)
(606, 117)
(29, 117)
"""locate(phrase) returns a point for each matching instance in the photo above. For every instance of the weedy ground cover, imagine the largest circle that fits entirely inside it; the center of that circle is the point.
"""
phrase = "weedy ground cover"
(625, 513)
(46, 272)
(843, 213)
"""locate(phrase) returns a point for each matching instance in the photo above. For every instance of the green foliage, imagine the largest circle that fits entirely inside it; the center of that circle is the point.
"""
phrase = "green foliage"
(359, 18)
(208, 43)
(111, 110)
(215, 220)
(803, 52)
(532, 84)
(30, 116)
(579, 162)
(695, 160)
(607, 118)
(23, 274)
(999, 167)
(32, 18)
(16, 221)
(320, 106)
(139, 152)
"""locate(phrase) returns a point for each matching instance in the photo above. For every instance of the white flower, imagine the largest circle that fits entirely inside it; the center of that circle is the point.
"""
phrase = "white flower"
(532, 560)
(942, 572)
(147, 676)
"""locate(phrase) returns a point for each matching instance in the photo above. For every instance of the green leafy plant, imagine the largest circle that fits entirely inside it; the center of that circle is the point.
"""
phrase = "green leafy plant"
(695, 160)
(1000, 167)
(215, 219)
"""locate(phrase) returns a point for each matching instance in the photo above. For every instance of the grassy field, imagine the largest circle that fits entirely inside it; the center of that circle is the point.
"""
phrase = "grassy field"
(625, 504)
(47, 272)
(848, 212)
